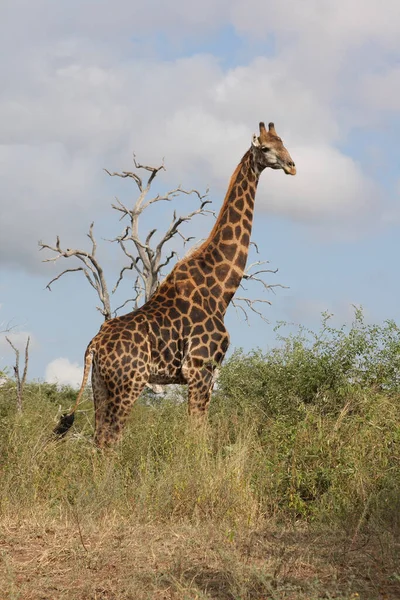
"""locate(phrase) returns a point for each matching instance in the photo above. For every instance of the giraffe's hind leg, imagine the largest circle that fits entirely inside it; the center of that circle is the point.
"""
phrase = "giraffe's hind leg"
(100, 399)
(112, 407)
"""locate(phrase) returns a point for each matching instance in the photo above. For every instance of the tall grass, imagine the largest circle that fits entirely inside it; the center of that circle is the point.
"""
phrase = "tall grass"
(308, 431)
(240, 468)
(306, 434)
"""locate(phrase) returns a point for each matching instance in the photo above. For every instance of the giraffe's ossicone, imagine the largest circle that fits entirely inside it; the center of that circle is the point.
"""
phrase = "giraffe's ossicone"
(179, 335)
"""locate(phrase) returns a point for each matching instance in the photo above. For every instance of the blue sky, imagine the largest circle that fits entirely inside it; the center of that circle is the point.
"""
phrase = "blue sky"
(86, 84)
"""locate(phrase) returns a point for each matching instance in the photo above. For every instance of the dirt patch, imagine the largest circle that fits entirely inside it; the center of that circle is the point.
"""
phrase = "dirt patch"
(113, 560)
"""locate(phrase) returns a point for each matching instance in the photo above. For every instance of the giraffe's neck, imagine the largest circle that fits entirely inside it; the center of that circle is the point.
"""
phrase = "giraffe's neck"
(224, 253)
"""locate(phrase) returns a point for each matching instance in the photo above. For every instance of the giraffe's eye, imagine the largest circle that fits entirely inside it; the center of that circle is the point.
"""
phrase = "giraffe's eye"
(266, 149)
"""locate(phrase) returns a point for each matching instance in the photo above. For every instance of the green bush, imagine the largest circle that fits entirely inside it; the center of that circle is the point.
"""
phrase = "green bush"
(314, 368)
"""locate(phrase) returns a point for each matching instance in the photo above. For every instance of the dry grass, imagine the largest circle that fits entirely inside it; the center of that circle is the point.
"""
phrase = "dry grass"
(118, 560)
(250, 508)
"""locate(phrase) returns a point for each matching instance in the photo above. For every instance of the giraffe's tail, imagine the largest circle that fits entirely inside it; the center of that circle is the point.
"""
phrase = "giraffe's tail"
(66, 420)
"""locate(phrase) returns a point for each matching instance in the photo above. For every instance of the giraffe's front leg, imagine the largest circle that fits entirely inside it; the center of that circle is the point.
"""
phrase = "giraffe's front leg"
(201, 368)
(200, 383)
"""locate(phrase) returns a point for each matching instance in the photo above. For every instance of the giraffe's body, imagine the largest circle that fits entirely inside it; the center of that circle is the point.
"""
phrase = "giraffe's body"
(179, 335)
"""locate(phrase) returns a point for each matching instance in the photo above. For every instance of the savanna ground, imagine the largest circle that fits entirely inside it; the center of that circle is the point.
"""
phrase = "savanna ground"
(291, 491)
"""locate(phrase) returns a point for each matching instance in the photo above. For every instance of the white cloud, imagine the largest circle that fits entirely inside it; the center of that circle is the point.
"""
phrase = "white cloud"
(348, 22)
(64, 372)
(99, 19)
(43, 186)
(381, 91)
(327, 185)
(333, 22)
(82, 99)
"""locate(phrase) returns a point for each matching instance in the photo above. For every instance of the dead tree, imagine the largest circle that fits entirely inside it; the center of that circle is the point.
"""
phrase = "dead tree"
(145, 260)
(146, 257)
(20, 381)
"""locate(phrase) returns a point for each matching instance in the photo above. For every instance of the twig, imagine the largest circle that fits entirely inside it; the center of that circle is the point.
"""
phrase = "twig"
(75, 511)
(250, 304)
(20, 382)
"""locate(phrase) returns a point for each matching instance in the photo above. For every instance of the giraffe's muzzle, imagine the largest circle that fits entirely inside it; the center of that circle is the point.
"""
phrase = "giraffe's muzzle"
(289, 168)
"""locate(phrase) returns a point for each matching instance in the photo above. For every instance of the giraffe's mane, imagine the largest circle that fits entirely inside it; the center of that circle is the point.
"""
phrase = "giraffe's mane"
(187, 254)
(198, 246)
(225, 202)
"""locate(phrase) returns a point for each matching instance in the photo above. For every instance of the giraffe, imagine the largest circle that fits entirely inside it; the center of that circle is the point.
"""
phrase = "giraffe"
(178, 335)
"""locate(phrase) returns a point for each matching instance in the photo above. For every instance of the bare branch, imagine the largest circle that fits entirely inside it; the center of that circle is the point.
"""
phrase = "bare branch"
(124, 304)
(250, 275)
(16, 368)
(177, 192)
(153, 170)
(132, 265)
(146, 260)
(121, 275)
(7, 328)
(240, 307)
(24, 374)
(138, 180)
(245, 304)
(125, 174)
(92, 239)
(250, 304)
(122, 208)
(92, 270)
(20, 382)
(185, 239)
(167, 260)
(177, 221)
(149, 236)
(259, 263)
(48, 286)
(140, 291)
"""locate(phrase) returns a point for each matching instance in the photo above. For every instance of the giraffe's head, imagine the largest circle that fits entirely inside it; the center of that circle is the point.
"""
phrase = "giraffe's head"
(269, 151)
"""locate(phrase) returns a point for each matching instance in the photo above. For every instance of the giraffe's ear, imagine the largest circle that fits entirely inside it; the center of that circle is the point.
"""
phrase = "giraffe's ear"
(255, 141)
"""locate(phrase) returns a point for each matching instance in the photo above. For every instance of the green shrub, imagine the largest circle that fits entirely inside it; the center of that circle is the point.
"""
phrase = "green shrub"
(313, 368)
